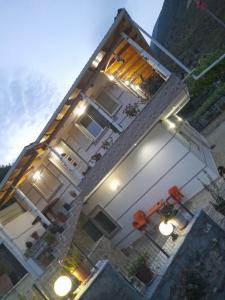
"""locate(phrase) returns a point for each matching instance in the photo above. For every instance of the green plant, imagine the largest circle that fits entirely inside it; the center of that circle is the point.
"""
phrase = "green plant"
(107, 144)
(168, 211)
(4, 269)
(140, 261)
(215, 192)
(152, 84)
(49, 237)
(131, 110)
(72, 260)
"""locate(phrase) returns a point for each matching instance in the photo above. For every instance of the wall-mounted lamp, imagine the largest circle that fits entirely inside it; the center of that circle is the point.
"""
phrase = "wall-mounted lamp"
(37, 176)
(62, 286)
(80, 109)
(114, 185)
(111, 77)
(166, 228)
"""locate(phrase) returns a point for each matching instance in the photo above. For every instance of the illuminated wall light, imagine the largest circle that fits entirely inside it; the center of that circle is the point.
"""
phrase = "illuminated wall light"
(80, 110)
(126, 82)
(170, 124)
(111, 77)
(114, 185)
(165, 228)
(37, 175)
(62, 286)
(179, 119)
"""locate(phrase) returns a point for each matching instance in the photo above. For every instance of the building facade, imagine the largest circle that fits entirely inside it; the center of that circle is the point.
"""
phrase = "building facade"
(115, 145)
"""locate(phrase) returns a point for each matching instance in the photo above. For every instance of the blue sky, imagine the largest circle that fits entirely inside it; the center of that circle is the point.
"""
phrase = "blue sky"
(44, 46)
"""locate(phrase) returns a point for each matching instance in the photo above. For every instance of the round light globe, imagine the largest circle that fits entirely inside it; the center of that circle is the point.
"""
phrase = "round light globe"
(166, 228)
(62, 286)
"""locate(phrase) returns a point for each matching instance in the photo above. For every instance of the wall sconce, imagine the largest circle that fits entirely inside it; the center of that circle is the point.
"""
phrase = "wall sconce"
(165, 228)
(37, 176)
(114, 185)
(62, 286)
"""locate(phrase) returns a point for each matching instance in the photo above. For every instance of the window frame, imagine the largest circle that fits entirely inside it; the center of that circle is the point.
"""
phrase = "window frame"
(85, 131)
(95, 212)
(41, 167)
(105, 90)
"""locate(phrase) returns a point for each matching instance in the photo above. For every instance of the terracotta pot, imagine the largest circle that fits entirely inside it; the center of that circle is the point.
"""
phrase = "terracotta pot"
(81, 272)
(5, 284)
(144, 274)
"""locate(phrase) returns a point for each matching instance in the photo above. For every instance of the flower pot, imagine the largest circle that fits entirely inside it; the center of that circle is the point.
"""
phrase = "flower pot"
(5, 284)
(35, 235)
(82, 272)
(144, 274)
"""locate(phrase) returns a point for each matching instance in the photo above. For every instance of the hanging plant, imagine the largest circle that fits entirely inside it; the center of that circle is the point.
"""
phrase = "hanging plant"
(131, 110)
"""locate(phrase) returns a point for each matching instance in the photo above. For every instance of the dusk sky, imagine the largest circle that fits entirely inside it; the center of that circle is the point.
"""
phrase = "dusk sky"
(44, 46)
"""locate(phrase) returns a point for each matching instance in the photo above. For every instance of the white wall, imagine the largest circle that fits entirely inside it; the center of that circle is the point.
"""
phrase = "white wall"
(21, 228)
(160, 161)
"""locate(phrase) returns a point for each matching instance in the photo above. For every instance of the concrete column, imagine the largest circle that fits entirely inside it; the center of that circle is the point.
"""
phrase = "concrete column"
(102, 112)
(31, 205)
(28, 264)
(151, 60)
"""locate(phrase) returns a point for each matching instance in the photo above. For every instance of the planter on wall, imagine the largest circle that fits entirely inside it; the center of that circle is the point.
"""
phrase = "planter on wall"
(144, 274)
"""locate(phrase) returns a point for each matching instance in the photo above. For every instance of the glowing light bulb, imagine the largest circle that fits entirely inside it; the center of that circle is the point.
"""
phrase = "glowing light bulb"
(37, 175)
(126, 82)
(114, 185)
(165, 228)
(111, 77)
(62, 286)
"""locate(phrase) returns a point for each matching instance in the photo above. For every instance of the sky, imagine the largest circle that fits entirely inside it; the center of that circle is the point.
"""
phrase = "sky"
(44, 46)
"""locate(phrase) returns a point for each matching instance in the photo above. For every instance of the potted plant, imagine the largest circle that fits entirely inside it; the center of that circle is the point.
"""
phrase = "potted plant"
(131, 110)
(96, 157)
(152, 84)
(169, 213)
(5, 281)
(214, 190)
(50, 239)
(107, 143)
(74, 264)
(35, 235)
(140, 269)
(29, 244)
(46, 257)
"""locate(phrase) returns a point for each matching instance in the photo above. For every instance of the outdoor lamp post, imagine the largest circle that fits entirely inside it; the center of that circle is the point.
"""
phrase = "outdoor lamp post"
(166, 228)
(63, 286)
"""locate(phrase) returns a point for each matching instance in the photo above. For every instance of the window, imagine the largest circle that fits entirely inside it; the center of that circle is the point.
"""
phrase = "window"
(91, 126)
(94, 233)
(104, 222)
(13, 271)
(93, 122)
(107, 102)
(47, 184)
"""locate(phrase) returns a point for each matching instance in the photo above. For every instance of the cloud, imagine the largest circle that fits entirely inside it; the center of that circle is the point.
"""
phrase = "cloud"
(27, 101)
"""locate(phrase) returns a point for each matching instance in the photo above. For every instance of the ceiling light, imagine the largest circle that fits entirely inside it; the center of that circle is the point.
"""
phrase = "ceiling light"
(111, 77)
(126, 82)
(37, 175)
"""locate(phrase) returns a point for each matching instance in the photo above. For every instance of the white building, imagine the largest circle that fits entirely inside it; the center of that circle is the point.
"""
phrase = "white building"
(101, 159)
